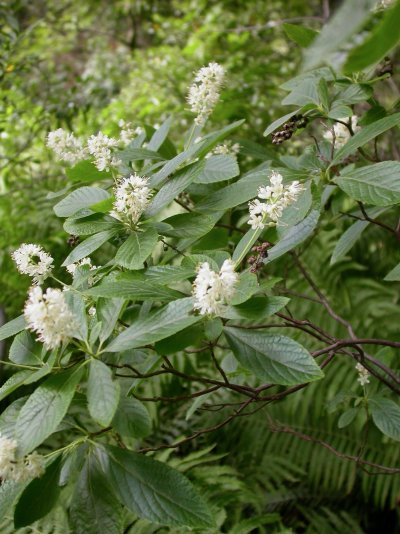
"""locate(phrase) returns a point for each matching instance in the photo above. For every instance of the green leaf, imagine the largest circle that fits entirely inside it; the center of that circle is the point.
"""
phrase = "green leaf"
(14, 382)
(272, 358)
(86, 171)
(45, 409)
(232, 195)
(102, 393)
(393, 275)
(80, 200)
(77, 306)
(347, 417)
(351, 236)
(137, 154)
(39, 497)
(377, 184)
(88, 246)
(160, 135)
(108, 311)
(132, 289)
(104, 206)
(187, 225)
(218, 169)
(160, 324)
(136, 249)
(132, 419)
(90, 225)
(294, 237)
(255, 309)
(187, 337)
(245, 243)
(24, 350)
(174, 187)
(168, 274)
(344, 23)
(155, 491)
(366, 134)
(386, 416)
(246, 287)
(379, 42)
(12, 327)
(94, 507)
(299, 34)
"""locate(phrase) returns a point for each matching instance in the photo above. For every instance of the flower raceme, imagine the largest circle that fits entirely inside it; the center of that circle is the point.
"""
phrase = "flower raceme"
(363, 375)
(49, 316)
(132, 196)
(33, 260)
(205, 92)
(276, 197)
(211, 290)
(66, 146)
(101, 147)
(18, 469)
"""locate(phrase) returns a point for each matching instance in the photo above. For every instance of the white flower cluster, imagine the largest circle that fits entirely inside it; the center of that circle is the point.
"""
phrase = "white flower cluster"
(205, 91)
(101, 147)
(127, 132)
(132, 196)
(18, 469)
(277, 197)
(342, 133)
(66, 146)
(211, 290)
(363, 374)
(33, 260)
(71, 268)
(227, 149)
(49, 316)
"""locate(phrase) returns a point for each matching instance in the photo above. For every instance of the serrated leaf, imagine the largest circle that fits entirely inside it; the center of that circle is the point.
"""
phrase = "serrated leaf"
(88, 246)
(94, 507)
(45, 409)
(218, 169)
(86, 171)
(346, 21)
(108, 311)
(347, 417)
(255, 309)
(137, 154)
(155, 491)
(275, 125)
(131, 289)
(386, 416)
(104, 206)
(24, 350)
(14, 382)
(299, 34)
(90, 225)
(102, 393)
(39, 497)
(132, 419)
(365, 135)
(159, 325)
(377, 184)
(168, 274)
(379, 42)
(136, 249)
(160, 135)
(272, 358)
(189, 225)
(12, 327)
(78, 200)
(294, 237)
(351, 236)
(246, 286)
(393, 275)
(174, 187)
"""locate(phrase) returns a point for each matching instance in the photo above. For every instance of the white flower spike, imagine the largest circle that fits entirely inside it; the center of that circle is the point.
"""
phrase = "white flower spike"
(211, 290)
(33, 260)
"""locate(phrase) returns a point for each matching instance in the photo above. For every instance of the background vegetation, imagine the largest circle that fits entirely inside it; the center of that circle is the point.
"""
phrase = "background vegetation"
(84, 66)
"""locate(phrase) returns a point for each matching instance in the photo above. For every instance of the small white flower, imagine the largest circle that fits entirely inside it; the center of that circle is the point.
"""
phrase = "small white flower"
(71, 268)
(227, 149)
(49, 316)
(33, 260)
(66, 146)
(276, 198)
(92, 311)
(18, 469)
(342, 133)
(205, 91)
(363, 374)
(132, 196)
(101, 147)
(127, 133)
(211, 290)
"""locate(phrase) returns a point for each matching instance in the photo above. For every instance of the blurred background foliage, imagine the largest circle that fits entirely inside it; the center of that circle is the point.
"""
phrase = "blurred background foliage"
(86, 65)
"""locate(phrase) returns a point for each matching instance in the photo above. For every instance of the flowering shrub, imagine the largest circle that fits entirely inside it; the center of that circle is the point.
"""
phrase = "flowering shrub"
(167, 286)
